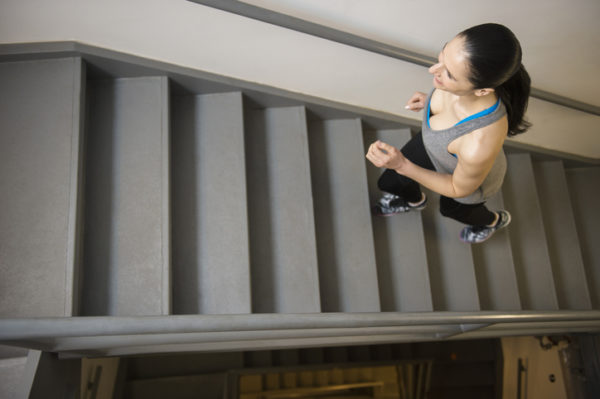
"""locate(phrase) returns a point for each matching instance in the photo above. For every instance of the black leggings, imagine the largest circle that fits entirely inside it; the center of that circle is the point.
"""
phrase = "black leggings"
(394, 183)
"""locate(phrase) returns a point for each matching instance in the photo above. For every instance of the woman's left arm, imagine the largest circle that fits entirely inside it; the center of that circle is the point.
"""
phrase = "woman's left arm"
(473, 166)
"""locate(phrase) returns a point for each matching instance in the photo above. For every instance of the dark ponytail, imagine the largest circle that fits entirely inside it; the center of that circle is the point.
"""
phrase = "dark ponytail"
(494, 56)
(514, 93)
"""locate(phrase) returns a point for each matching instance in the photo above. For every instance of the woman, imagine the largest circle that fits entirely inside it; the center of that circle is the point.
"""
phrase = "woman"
(480, 96)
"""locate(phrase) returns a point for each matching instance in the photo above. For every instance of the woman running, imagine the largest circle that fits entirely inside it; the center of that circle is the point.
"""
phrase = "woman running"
(480, 96)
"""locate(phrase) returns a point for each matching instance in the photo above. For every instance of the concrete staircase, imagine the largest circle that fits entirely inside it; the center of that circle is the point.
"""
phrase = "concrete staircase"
(12, 368)
(131, 189)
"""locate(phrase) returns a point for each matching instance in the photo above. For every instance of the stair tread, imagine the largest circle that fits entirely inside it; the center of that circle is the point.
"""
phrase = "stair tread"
(126, 198)
(583, 186)
(451, 268)
(211, 260)
(347, 270)
(494, 268)
(39, 104)
(12, 371)
(527, 236)
(399, 245)
(282, 231)
(8, 352)
(561, 232)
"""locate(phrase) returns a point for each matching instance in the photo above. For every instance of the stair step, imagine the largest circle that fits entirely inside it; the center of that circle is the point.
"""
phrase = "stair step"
(45, 372)
(451, 269)
(211, 260)
(585, 190)
(322, 378)
(399, 245)
(306, 379)
(11, 377)
(40, 103)
(282, 231)
(126, 238)
(347, 270)
(561, 232)
(7, 352)
(272, 381)
(494, 268)
(527, 236)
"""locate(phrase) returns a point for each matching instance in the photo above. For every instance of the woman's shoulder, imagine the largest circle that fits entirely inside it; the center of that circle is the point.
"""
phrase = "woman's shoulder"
(484, 143)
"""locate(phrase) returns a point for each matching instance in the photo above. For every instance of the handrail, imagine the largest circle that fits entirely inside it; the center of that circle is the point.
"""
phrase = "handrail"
(324, 32)
(36, 328)
(121, 336)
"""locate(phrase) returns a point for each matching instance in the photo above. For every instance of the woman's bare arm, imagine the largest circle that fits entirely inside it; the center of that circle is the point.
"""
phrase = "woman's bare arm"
(476, 157)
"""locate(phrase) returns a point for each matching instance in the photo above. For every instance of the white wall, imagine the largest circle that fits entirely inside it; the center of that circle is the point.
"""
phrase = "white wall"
(194, 36)
(560, 38)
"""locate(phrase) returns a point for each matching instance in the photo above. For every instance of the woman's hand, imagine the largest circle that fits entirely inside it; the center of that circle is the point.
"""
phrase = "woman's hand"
(416, 102)
(384, 155)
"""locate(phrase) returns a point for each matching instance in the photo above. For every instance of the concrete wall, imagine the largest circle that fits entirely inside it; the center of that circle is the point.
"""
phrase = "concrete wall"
(187, 34)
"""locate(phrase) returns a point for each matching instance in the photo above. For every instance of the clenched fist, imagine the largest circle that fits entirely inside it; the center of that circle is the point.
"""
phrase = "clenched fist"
(384, 155)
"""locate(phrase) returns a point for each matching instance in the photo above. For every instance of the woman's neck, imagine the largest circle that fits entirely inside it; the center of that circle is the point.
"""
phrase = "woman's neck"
(471, 103)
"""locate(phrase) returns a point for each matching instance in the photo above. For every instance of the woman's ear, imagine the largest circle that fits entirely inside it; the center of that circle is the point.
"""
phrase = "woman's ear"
(483, 92)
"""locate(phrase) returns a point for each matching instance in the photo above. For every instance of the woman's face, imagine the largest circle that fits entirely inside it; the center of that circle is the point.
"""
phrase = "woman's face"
(451, 71)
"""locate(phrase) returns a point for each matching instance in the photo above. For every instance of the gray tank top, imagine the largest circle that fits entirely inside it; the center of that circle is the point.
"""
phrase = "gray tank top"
(436, 144)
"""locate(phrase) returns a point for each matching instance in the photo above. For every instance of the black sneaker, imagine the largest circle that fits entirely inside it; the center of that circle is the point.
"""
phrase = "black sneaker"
(391, 204)
(477, 234)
